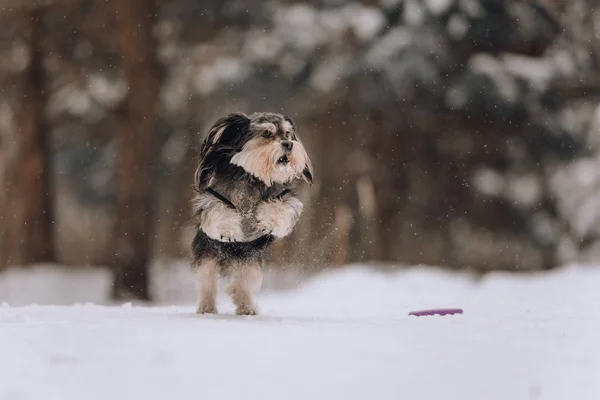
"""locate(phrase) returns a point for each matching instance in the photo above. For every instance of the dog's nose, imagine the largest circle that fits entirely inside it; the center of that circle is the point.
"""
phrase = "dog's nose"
(287, 145)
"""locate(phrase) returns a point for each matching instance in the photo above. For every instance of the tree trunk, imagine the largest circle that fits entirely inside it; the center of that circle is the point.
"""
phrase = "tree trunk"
(32, 241)
(136, 151)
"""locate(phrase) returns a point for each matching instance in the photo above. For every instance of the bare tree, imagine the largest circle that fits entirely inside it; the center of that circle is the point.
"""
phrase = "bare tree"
(136, 150)
(32, 239)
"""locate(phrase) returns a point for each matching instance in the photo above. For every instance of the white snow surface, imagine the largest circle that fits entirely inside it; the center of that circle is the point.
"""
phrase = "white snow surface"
(344, 334)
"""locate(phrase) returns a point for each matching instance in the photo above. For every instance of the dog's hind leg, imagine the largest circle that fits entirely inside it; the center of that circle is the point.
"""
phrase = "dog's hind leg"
(206, 275)
(246, 280)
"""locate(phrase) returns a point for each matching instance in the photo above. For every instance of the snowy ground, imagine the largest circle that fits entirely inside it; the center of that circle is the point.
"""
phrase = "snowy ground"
(342, 335)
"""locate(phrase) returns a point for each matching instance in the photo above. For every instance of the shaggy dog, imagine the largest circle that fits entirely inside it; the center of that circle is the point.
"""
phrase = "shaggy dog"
(244, 202)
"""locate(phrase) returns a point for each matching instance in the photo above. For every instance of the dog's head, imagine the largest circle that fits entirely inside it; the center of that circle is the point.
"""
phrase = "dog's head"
(266, 145)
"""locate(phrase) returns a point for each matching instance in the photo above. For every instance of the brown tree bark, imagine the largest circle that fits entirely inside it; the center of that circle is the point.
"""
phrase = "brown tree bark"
(136, 150)
(32, 204)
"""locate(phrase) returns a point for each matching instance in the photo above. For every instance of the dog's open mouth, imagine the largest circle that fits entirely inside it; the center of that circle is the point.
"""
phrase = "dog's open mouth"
(283, 160)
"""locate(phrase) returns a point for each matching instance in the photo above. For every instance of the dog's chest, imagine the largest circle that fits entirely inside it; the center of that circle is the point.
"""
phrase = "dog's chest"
(246, 199)
(246, 195)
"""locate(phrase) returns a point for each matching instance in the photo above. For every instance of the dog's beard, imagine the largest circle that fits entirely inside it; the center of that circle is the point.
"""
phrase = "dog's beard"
(270, 162)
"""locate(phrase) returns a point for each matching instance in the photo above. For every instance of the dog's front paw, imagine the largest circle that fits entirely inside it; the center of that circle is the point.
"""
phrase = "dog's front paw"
(231, 236)
(264, 227)
(278, 218)
(223, 225)
(266, 222)
(221, 234)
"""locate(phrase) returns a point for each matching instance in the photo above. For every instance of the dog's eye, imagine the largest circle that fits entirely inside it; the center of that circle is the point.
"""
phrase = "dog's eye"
(267, 134)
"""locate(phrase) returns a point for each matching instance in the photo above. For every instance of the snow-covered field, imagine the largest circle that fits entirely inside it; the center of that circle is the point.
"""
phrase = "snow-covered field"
(343, 335)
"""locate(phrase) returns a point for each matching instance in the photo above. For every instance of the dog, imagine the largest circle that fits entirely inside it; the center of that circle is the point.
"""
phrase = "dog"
(244, 201)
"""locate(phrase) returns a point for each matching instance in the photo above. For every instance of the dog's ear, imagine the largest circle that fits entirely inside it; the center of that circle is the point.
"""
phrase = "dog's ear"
(224, 136)
(230, 130)
(307, 172)
(291, 122)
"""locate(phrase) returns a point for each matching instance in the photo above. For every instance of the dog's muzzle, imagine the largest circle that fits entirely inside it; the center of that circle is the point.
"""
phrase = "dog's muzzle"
(287, 147)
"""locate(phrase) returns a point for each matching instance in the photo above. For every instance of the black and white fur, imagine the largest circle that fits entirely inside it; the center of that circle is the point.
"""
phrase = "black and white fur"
(244, 202)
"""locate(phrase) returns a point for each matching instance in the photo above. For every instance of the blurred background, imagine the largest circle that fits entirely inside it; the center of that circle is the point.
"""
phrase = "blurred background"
(457, 133)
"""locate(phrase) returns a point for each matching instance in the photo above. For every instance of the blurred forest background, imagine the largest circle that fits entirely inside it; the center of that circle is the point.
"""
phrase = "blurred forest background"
(461, 133)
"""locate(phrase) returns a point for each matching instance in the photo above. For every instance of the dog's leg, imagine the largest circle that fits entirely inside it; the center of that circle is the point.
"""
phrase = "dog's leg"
(206, 275)
(278, 217)
(246, 280)
(218, 221)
